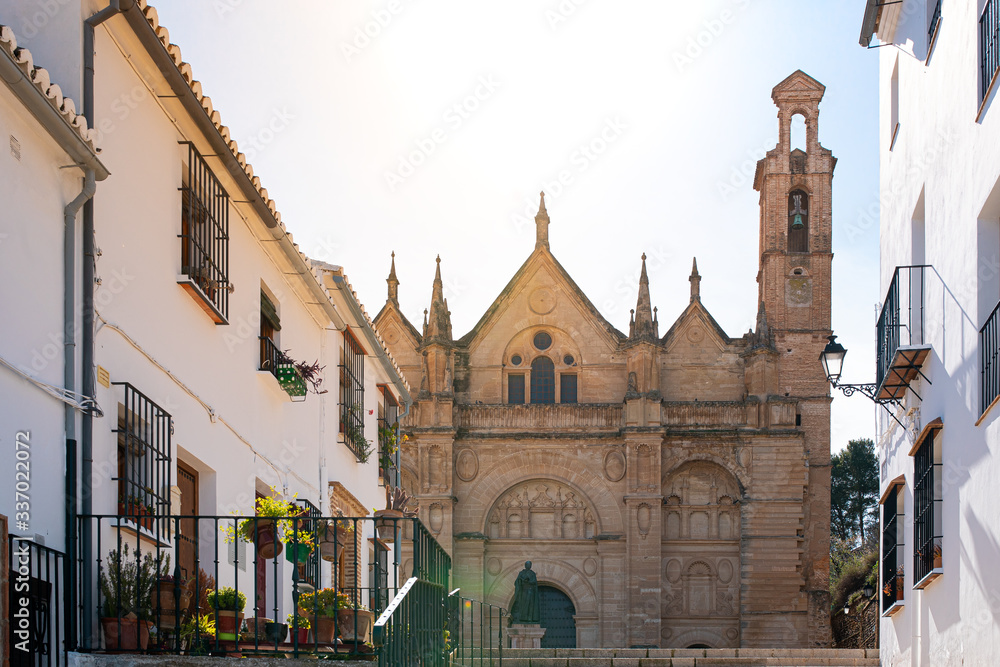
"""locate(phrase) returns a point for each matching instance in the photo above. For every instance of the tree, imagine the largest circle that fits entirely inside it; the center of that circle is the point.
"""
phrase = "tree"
(854, 492)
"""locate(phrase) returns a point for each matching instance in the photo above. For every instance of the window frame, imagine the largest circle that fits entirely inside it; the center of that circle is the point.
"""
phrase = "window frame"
(892, 547)
(543, 381)
(563, 377)
(523, 388)
(927, 504)
(352, 395)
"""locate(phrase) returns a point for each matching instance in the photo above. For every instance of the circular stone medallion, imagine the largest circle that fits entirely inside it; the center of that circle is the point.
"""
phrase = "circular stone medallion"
(467, 465)
(542, 301)
(590, 567)
(614, 466)
(493, 566)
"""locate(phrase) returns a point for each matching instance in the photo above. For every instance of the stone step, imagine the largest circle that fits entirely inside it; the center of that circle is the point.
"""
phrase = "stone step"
(685, 658)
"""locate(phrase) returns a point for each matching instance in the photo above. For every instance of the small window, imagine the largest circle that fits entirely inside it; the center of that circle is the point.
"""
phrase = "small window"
(927, 506)
(270, 325)
(543, 341)
(892, 542)
(144, 455)
(569, 360)
(205, 236)
(515, 389)
(516, 360)
(543, 380)
(352, 395)
(567, 388)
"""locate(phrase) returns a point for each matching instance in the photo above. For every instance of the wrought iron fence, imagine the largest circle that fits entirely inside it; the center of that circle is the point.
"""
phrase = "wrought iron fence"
(901, 321)
(241, 585)
(474, 635)
(37, 602)
(411, 631)
(989, 45)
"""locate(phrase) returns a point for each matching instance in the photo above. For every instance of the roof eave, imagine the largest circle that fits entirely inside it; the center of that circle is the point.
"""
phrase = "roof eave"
(869, 24)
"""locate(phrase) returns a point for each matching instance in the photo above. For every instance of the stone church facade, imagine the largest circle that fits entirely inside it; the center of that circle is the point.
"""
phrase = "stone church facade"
(674, 489)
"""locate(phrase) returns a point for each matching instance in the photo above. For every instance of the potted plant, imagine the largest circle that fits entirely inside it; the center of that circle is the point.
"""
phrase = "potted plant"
(322, 605)
(300, 539)
(352, 424)
(126, 586)
(267, 528)
(333, 534)
(386, 521)
(198, 634)
(136, 510)
(388, 446)
(354, 620)
(228, 604)
(303, 626)
(298, 378)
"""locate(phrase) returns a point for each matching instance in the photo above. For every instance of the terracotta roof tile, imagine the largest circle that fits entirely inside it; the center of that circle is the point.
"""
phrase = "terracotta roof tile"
(39, 77)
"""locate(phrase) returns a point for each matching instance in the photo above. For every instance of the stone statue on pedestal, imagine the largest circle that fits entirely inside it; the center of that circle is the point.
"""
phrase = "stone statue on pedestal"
(526, 608)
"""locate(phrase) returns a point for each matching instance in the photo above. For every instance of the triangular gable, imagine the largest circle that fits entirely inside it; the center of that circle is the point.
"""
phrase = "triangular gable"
(391, 315)
(539, 259)
(799, 82)
(696, 313)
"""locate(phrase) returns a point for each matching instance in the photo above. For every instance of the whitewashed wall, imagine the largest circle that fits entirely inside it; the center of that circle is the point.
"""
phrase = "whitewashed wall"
(945, 170)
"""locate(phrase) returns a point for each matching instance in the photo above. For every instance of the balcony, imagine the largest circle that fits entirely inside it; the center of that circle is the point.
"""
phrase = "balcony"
(989, 47)
(239, 586)
(538, 416)
(901, 349)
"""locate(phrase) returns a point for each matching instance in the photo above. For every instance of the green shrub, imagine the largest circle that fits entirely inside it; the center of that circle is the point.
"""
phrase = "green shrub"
(227, 599)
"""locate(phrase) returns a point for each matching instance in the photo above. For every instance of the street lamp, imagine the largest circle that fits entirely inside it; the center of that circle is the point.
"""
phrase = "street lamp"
(832, 358)
(868, 590)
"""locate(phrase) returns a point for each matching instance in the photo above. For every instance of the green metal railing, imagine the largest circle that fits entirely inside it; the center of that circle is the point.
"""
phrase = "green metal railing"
(475, 632)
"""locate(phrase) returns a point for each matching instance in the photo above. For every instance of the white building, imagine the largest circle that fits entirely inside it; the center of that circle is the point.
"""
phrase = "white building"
(198, 289)
(940, 207)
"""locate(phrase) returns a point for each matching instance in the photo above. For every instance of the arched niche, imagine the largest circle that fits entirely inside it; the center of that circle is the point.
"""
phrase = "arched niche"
(541, 509)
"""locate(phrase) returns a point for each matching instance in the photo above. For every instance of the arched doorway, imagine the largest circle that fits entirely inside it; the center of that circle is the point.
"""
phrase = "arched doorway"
(557, 613)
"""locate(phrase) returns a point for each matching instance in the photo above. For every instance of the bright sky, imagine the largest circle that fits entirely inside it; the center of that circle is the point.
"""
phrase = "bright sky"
(430, 127)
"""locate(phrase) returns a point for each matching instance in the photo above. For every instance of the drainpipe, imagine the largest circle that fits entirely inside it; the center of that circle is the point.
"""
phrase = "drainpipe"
(87, 339)
(69, 372)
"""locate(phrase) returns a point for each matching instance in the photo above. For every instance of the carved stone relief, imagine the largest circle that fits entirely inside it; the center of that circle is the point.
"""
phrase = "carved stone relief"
(541, 509)
(467, 465)
(614, 465)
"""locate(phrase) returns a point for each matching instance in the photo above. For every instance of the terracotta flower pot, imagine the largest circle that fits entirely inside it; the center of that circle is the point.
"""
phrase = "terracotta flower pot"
(326, 630)
(385, 524)
(125, 634)
(303, 637)
(331, 544)
(229, 622)
(351, 631)
(266, 538)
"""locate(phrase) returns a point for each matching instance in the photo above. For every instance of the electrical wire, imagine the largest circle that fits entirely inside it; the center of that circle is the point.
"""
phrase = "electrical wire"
(75, 400)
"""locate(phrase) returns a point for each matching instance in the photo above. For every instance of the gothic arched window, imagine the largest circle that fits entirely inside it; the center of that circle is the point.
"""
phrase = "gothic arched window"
(543, 381)
(798, 221)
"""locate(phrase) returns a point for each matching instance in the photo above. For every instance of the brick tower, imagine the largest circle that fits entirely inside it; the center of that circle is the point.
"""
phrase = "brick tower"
(794, 289)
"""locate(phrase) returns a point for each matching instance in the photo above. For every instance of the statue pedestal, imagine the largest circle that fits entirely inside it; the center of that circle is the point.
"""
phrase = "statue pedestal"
(526, 635)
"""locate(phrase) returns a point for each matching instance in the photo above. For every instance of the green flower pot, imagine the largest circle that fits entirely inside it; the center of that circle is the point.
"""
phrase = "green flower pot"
(291, 380)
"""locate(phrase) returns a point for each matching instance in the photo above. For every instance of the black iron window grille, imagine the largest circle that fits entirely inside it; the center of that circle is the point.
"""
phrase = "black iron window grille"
(933, 25)
(927, 507)
(892, 574)
(543, 381)
(270, 325)
(38, 604)
(515, 389)
(567, 388)
(144, 457)
(989, 346)
(205, 233)
(270, 356)
(352, 397)
(989, 45)
(388, 435)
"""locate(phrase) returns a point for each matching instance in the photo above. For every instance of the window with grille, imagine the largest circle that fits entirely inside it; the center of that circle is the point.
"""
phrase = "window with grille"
(308, 572)
(543, 381)
(567, 388)
(144, 456)
(270, 325)
(205, 235)
(515, 389)
(892, 537)
(388, 418)
(352, 396)
(927, 506)
(989, 46)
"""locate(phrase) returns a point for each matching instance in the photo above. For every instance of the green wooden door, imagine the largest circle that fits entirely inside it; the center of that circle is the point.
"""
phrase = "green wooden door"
(557, 612)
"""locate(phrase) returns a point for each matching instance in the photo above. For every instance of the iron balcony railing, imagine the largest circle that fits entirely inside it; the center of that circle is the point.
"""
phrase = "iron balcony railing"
(270, 355)
(152, 591)
(989, 365)
(989, 45)
(901, 321)
(37, 604)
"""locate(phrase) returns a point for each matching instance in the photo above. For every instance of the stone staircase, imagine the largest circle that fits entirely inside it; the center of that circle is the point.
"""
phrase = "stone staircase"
(688, 657)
